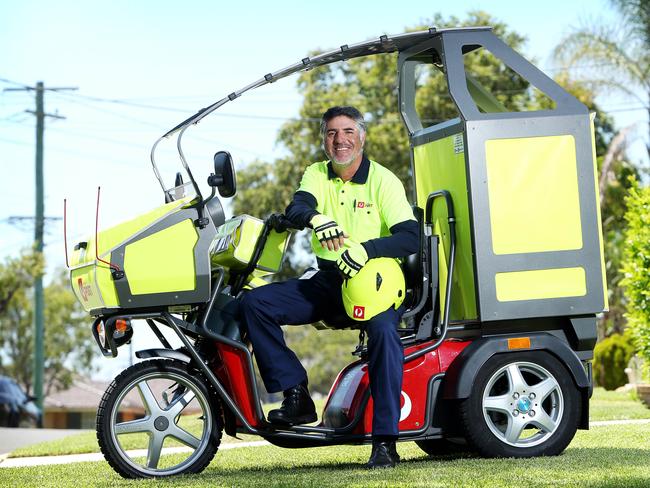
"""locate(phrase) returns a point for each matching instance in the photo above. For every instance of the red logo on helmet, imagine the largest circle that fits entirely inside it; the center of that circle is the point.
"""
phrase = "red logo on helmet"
(359, 312)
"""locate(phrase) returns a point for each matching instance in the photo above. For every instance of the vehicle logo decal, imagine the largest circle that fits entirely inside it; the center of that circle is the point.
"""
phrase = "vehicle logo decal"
(84, 290)
(359, 312)
(406, 409)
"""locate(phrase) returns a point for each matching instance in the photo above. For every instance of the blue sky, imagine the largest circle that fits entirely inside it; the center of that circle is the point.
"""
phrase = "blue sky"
(182, 56)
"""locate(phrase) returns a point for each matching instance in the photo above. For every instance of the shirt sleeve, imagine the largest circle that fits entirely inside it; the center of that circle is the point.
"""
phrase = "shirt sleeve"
(301, 209)
(394, 206)
(403, 241)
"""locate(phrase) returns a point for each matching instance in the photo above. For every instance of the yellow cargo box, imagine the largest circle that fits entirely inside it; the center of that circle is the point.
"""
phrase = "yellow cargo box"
(235, 241)
(158, 258)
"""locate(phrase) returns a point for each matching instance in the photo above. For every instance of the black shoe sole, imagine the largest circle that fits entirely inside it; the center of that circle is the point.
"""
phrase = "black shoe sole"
(304, 419)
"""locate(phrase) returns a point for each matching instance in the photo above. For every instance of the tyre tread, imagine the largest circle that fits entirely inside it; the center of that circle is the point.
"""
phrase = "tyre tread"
(103, 411)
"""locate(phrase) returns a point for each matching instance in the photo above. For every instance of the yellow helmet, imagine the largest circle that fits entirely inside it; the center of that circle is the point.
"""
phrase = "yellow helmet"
(378, 286)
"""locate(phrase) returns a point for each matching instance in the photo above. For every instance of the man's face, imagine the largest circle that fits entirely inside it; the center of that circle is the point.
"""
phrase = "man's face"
(343, 140)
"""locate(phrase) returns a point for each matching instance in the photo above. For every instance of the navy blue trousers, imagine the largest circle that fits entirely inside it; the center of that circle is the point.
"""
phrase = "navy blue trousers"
(304, 301)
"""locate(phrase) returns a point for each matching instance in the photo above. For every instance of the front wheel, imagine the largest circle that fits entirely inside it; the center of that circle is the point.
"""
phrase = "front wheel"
(159, 418)
(522, 405)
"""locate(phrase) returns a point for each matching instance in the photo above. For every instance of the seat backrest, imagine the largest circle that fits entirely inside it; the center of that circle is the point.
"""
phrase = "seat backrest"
(413, 266)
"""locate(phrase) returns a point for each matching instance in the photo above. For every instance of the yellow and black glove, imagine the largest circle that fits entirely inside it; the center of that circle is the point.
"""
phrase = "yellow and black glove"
(327, 232)
(352, 259)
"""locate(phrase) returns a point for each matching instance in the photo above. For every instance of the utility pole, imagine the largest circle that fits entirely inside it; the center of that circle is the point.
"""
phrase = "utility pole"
(39, 326)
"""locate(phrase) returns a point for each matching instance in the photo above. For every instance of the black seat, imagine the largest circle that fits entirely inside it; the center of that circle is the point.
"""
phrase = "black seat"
(413, 267)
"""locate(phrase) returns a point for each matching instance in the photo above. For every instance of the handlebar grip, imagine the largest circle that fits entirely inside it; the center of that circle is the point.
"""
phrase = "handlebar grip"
(280, 223)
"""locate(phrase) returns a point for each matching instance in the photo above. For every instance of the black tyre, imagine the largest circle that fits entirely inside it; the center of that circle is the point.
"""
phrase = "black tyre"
(154, 405)
(522, 405)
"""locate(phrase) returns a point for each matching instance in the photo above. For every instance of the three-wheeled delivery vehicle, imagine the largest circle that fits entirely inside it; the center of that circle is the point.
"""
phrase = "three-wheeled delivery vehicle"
(501, 298)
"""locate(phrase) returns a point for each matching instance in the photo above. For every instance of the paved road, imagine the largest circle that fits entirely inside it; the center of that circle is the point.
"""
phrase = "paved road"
(11, 439)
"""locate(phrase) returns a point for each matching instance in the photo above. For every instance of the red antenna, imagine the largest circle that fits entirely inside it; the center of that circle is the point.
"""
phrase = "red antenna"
(65, 233)
(114, 267)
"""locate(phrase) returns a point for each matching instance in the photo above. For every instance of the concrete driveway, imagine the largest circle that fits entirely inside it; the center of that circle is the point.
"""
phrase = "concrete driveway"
(11, 439)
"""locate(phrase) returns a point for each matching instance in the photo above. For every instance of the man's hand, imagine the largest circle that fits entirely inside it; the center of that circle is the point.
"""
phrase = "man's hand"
(328, 232)
(352, 259)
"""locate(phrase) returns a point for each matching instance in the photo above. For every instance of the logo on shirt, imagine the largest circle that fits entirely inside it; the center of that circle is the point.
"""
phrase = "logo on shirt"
(359, 312)
(364, 204)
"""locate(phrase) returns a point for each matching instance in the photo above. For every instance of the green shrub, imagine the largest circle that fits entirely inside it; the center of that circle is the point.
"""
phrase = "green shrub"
(636, 267)
(611, 357)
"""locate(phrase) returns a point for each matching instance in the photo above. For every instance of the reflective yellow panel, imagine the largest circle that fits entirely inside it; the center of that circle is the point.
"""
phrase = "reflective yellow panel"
(164, 261)
(533, 194)
(541, 283)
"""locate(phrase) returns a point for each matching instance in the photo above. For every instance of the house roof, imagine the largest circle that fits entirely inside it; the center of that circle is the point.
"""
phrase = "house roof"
(85, 394)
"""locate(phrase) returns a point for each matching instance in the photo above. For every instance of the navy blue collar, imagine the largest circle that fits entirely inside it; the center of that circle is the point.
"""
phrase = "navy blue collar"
(360, 177)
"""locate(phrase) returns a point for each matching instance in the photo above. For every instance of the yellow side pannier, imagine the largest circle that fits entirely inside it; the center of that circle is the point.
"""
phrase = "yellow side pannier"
(235, 241)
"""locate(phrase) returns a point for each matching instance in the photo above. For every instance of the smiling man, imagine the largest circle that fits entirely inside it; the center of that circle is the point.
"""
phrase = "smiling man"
(358, 211)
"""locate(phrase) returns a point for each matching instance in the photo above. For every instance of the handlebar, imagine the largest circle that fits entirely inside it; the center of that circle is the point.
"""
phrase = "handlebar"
(280, 223)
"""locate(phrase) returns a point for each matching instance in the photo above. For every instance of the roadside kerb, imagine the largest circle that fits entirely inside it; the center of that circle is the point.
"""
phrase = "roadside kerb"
(98, 456)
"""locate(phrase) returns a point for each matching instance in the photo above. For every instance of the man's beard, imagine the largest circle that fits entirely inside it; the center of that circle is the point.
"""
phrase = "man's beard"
(348, 162)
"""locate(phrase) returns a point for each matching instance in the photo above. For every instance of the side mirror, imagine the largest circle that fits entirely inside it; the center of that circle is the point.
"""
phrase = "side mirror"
(223, 178)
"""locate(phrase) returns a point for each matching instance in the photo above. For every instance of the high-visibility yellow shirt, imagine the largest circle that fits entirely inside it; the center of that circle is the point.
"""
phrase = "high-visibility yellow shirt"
(365, 207)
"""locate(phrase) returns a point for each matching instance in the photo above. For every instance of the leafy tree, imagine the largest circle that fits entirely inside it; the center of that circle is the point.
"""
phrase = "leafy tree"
(636, 266)
(69, 346)
(369, 83)
(17, 274)
(618, 54)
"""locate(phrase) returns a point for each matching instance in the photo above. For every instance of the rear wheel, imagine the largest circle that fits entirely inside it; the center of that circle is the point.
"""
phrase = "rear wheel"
(522, 404)
(159, 418)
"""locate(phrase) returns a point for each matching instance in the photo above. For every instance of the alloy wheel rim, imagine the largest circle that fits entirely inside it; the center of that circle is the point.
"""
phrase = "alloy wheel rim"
(522, 404)
(161, 423)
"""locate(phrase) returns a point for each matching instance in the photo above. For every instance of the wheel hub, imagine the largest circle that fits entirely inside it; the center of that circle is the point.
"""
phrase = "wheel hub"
(161, 423)
(524, 404)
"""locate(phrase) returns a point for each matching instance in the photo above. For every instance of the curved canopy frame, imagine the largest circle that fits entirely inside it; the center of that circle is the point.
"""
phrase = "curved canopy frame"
(383, 44)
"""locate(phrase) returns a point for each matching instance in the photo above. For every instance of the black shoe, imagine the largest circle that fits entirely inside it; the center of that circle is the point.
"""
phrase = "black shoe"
(297, 408)
(384, 455)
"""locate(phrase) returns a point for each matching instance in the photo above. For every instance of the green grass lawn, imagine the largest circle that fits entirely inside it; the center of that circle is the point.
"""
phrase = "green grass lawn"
(605, 405)
(603, 456)
(612, 405)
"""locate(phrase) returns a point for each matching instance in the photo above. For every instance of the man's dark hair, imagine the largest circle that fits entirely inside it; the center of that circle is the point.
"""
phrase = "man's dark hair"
(350, 112)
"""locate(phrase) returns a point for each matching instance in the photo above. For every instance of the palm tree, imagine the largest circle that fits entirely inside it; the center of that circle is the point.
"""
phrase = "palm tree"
(617, 56)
